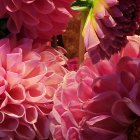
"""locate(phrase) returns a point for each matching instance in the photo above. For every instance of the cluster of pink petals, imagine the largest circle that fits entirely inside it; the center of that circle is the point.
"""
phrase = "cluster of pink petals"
(36, 18)
(113, 21)
(99, 102)
(29, 76)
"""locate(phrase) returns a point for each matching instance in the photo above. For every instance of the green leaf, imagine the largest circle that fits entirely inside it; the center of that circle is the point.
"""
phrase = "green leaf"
(81, 5)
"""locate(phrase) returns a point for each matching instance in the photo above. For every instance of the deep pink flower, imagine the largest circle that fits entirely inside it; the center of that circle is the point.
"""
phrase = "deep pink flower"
(29, 76)
(104, 111)
(36, 18)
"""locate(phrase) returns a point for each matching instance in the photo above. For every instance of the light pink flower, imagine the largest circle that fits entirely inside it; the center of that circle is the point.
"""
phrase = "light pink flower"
(99, 102)
(36, 18)
(29, 75)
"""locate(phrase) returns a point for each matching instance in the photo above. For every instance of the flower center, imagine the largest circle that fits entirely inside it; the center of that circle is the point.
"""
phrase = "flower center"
(134, 131)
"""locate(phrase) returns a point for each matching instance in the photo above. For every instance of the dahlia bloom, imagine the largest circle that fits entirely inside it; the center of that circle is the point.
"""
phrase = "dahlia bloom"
(36, 18)
(29, 75)
(107, 25)
(99, 102)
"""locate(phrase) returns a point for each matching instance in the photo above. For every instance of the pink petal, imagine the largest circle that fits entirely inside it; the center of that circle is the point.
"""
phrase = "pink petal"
(134, 107)
(14, 110)
(42, 127)
(107, 83)
(102, 103)
(99, 124)
(45, 108)
(13, 59)
(127, 79)
(132, 47)
(2, 72)
(67, 121)
(69, 93)
(52, 80)
(35, 92)
(3, 85)
(104, 67)
(61, 15)
(44, 7)
(35, 76)
(73, 134)
(58, 133)
(84, 73)
(47, 57)
(3, 101)
(25, 131)
(13, 78)
(2, 117)
(31, 114)
(12, 5)
(28, 1)
(4, 49)
(29, 15)
(30, 65)
(9, 124)
(84, 92)
(17, 94)
(121, 112)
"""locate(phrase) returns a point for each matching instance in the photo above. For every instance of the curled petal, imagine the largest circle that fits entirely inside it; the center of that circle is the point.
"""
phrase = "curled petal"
(3, 85)
(84, 92)
(67, 121)
(13, 59)
(99, 124)
(4, 49)
(14, 110)
(17, 94)
(28, 1)
(122, 113)
(58, 133)
(42, 127)
(45, 108)
(3, 102)
(35, 92)
(73, 134)
(52, 80)
(30, 16)
(12, 6)
(13, 78)
(69, 93)
(44, 7)
(85, 74)
(128, 64)
(35, 76)
(25, 131)
(30, 65)
(31, 114)
(2, 117)
(102, 103)
(9, 124)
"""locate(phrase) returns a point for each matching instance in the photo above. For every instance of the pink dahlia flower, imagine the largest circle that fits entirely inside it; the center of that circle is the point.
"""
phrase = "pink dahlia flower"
(107, 25)
(36, 18)
(29, 76)
(104, 111)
